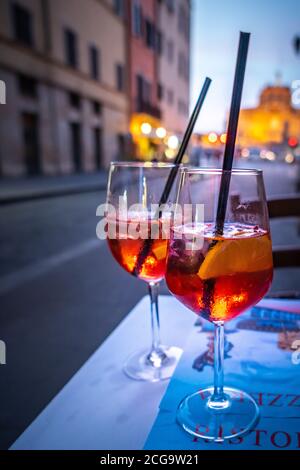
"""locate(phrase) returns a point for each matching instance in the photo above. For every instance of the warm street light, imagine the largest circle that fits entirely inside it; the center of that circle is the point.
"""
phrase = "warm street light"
(245, 153)
(170, 153)
(223, 138)
(289, 158)
(161, 132)
(146, 128)
(270, 155)
(173, 142)
(212, 137)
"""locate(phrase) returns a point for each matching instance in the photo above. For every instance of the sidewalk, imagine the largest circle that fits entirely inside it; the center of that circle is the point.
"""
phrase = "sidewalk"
(25, 189)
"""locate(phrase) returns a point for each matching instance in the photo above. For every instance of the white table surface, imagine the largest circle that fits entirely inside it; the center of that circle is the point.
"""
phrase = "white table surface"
(100, 408)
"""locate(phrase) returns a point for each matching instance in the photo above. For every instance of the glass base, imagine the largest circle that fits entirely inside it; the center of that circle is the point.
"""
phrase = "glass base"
(152, 367)
(217, 421)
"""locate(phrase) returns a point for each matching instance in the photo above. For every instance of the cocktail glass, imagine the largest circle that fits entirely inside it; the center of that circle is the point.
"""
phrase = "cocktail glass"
(219, 276)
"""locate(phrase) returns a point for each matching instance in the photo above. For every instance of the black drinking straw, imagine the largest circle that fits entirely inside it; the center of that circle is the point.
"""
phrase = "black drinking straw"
(209, 284)
(185, 141)
(171, 178)
(232, 130)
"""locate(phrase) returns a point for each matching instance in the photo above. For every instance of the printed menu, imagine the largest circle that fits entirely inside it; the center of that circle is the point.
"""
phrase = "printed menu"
(262, 357)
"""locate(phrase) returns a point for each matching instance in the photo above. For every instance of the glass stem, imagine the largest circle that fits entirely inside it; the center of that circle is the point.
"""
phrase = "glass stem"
(218, 400)
(219, 359)
(153, 293)
(156, 355)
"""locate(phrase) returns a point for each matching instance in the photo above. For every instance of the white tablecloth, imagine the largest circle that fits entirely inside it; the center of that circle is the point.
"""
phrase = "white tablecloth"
(100, 408)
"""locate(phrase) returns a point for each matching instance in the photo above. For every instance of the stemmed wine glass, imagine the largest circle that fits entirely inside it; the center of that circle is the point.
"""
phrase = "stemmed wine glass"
(218, 274)
(138, 242)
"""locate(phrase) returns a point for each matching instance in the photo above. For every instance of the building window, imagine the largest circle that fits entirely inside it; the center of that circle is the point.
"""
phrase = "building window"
(27, 86)
(183, 66)
(170, 97)
(71, 48)
(147, 92)
(119, 8)
(186, 69)
(121, 146)
(187, 72)
(120, 77)
(170, 51)
(144, 93)
(23, 25)
(187, 26)
(160, 92)
(97, 138)
(182, 108)
(181, 18)
(76, 150)
(96, 107)
(94, 63)
(74, 100)
(170, 5)
(31, 148)
(183, 22)
(137, 16)
(140, 91)
(180, 64)
(150, 34)
(159, 42)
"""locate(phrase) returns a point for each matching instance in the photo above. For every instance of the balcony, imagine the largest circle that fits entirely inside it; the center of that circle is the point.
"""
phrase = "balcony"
(148, 108)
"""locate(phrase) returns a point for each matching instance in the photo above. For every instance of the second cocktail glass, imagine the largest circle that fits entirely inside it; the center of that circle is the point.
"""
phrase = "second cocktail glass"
(134, 189)
(218, 274)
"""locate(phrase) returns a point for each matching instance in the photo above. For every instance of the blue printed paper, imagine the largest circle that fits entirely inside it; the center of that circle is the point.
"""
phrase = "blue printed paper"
(261, 358)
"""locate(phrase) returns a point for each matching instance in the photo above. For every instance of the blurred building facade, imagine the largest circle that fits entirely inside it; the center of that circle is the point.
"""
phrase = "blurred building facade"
(159, 57)
(143, 75)
(81, 75)
(64, 68)
(273, 121)
(174, 64)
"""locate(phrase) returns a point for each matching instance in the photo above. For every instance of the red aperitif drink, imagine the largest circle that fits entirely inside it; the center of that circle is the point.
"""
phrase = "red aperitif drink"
(219, 277)
(135, 237)
(126, 248)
